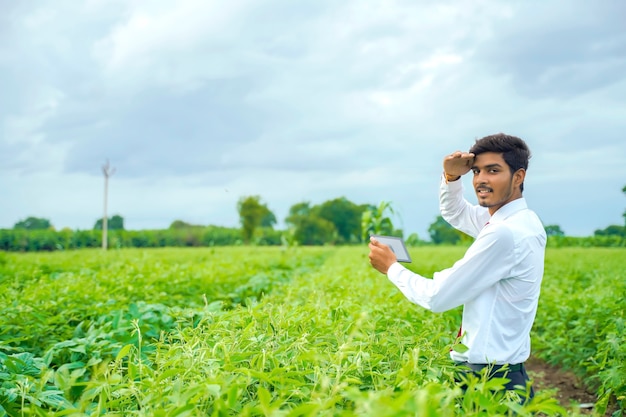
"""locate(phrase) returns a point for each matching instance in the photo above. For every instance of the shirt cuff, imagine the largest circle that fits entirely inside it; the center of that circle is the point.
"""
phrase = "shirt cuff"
(394, 271)
(453, 185)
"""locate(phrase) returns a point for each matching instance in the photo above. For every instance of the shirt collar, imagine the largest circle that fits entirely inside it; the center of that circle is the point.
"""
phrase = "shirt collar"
(509, 209)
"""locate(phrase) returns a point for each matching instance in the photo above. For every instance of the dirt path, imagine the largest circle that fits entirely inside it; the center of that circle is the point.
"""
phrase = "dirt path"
(571, 392)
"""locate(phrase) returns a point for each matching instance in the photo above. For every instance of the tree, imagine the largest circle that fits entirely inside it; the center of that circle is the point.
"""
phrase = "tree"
(298, 210)
(33, 223)
(306, 228)
(345, 215)
(554, 230)
(334, 221)
(179, 224)
(612, 230)
(116, 222)
(253, 214)
(314, 230)
(268, 219)
(441, 232)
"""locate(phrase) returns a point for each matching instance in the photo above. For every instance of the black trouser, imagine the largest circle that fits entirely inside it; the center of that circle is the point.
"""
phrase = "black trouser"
(516, 374)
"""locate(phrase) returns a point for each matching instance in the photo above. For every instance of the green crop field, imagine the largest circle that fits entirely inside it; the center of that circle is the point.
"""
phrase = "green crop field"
(275, 331)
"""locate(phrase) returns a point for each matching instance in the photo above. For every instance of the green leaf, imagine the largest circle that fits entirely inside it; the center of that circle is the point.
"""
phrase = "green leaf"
(123, 352)
(460, 348)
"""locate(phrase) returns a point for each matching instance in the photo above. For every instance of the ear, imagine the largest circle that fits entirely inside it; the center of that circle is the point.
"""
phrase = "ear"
(518, 177)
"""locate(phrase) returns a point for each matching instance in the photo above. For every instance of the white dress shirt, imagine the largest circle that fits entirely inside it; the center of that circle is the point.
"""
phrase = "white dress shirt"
(497, 281)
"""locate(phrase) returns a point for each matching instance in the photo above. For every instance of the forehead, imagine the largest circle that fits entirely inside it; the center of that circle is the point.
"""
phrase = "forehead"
(489, 158)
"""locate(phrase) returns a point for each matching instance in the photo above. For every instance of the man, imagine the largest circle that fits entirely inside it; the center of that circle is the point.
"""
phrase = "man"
(498, 279)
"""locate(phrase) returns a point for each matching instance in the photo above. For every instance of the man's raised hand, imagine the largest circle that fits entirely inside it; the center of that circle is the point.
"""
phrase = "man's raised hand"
(458, 163)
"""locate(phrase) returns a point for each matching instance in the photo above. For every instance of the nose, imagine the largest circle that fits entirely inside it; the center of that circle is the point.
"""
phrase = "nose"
(480, 177)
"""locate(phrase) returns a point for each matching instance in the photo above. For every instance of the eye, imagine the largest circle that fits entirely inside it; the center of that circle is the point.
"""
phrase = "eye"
(475, 171)
(493, 170)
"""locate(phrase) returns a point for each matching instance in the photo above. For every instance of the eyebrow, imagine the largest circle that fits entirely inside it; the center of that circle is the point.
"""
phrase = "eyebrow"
(487, 166)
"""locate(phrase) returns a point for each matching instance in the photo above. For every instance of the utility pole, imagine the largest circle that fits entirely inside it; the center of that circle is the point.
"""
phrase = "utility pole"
(107, 171)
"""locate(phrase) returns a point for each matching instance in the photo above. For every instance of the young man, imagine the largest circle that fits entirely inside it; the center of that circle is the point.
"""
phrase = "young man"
(498, 279)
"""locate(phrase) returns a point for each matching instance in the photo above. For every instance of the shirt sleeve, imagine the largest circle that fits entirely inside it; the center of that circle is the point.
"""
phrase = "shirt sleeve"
(457, 211)
(488, 260)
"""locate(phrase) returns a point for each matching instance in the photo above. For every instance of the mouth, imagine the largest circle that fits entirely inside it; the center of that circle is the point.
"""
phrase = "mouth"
(483, 191)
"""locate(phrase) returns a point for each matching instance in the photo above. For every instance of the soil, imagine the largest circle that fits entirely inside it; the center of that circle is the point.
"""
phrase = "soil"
(569, 389)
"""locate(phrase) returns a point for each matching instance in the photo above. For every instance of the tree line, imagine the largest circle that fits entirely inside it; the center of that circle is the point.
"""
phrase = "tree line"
(334, 222)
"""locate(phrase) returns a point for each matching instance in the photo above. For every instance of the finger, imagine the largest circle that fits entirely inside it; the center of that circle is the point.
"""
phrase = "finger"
(373, 248)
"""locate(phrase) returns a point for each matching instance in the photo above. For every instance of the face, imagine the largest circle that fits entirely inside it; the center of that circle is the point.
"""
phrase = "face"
(493, 182)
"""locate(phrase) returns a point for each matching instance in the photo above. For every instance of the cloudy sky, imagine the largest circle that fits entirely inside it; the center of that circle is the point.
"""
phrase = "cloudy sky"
(197, 103)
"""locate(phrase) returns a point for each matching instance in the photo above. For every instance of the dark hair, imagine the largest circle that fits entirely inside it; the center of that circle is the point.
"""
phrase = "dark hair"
(514, 150)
